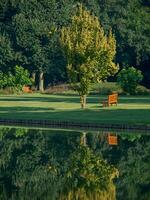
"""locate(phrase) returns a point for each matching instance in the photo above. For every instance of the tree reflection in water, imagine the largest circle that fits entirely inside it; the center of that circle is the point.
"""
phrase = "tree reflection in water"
(70, 165)
(88, 177)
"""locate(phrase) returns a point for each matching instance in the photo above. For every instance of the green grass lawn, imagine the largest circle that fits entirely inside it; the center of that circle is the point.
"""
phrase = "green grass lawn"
(132, 110)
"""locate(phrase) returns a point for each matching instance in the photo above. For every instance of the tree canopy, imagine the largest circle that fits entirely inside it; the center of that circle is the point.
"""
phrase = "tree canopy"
(89, 52)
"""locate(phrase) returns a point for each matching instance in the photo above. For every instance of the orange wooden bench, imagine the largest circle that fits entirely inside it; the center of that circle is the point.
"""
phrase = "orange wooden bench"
(112, 99)
(26, 89)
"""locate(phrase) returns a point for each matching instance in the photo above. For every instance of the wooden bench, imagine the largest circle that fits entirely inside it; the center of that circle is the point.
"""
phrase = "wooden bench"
(26, 89)
(112, 99)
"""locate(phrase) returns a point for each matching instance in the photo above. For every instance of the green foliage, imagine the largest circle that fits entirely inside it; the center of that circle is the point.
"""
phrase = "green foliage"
(88, 51)
(6, 53)
(16, 80)
(21, 77)
(30, 27)
(7, 80)
(128, 78)
(130, 21)
(29, 37)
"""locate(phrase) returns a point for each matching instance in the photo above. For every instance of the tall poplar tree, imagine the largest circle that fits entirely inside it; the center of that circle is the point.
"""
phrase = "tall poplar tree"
(88, 50)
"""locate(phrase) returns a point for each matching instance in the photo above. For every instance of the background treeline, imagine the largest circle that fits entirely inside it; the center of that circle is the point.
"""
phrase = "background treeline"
(29, 35)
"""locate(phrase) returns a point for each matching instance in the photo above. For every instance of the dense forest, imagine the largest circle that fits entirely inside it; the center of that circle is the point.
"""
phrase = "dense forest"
(29, 34)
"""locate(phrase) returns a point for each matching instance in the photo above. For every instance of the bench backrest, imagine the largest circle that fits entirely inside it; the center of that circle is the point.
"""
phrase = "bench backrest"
(113, 98)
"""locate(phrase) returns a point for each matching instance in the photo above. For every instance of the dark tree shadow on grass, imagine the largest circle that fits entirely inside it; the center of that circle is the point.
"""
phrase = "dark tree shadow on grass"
(79, 115)
(41, 99)
(24, 109)
(75, 99)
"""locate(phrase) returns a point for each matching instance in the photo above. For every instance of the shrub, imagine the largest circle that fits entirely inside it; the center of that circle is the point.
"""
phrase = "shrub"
(128, 79)
(14, 82)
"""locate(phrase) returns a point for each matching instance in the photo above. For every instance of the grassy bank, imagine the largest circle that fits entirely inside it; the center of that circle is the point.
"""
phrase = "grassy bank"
(131, 110)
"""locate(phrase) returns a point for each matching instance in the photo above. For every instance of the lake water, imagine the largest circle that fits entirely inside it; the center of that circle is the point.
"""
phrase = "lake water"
(38, 164)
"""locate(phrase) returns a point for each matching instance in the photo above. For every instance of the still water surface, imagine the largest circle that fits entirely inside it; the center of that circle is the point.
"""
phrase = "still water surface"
(38, 164)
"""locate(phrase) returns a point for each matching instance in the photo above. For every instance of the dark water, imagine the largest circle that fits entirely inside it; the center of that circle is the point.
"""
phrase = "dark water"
(73, 165)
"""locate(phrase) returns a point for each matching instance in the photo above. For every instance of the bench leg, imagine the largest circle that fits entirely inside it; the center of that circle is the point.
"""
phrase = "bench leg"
(105, 104)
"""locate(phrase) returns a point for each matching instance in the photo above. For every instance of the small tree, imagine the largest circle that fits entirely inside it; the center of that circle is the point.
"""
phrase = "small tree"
(88, 51)
(128, 79)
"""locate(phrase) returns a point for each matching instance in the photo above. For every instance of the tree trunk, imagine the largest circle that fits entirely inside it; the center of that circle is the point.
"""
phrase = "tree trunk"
(33, 80)
(33, 77)
(83, 101)
(41, 82)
